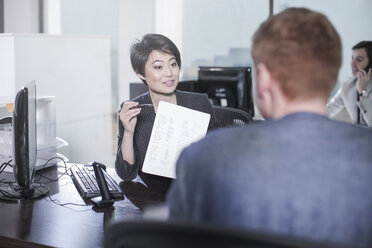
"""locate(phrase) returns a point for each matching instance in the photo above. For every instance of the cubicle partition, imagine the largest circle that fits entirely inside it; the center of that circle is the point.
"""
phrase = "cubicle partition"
(76, 70)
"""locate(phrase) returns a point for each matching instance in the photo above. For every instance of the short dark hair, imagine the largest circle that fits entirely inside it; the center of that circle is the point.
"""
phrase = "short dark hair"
(302, 50)
(141, 49)
(366, 44)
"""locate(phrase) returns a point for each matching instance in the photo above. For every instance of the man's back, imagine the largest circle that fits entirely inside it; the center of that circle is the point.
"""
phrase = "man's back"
(302, 175)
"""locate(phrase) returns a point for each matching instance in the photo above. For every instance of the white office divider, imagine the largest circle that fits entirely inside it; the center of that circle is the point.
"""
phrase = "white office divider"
(47, 142)
(76, 69)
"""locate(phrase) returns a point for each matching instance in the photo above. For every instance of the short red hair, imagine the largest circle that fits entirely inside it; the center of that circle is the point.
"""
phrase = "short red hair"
(302, 50)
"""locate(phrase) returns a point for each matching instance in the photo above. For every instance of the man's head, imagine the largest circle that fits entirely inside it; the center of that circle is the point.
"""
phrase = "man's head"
(301, 50)
(367, 45)
(361, 57)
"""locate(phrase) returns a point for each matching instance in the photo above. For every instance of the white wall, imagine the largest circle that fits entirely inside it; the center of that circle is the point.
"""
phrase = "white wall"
(21, 16)
(76, 70)
(211, 27)
(7, 77)
(52, 17)
(169, 20)
(94, 17)
(136, 18)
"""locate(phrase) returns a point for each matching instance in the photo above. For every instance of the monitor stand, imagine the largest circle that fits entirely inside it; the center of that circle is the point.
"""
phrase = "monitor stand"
(15, 193)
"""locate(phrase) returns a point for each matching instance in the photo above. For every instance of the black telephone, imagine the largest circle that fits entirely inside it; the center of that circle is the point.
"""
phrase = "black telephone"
(105, 200)
(368, 67)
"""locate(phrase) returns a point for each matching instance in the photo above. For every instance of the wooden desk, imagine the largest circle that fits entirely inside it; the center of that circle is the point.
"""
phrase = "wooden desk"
(43, 223)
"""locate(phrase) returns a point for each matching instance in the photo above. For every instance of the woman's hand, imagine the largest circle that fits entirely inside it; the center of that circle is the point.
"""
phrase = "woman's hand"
(363, 79)
(128, 116)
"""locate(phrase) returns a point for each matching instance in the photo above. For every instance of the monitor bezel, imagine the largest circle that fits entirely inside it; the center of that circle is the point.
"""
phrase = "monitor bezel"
(237, 79)
(24, 136)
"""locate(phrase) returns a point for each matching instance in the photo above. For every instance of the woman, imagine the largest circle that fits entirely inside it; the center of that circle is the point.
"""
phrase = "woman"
(157, 62)
(354, 97)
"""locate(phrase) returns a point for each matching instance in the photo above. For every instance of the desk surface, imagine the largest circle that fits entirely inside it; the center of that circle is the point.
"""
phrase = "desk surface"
(43, 223)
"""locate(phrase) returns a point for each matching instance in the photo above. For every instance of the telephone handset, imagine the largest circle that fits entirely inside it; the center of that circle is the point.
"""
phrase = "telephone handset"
(368, 67)
(105, 200)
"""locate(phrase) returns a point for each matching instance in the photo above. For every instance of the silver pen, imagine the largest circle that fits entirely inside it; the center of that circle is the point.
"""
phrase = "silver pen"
(144, 105)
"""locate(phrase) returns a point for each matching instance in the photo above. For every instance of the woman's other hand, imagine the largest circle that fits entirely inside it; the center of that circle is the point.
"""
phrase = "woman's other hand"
(128, 116)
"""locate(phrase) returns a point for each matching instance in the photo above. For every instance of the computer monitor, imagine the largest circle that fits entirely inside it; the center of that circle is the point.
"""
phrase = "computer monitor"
(227, 86)
(24, 146)
(24, 135)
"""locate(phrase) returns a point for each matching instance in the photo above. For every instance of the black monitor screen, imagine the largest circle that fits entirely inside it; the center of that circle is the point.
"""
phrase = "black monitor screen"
(228, 86)
(24, 135)
(24, 148)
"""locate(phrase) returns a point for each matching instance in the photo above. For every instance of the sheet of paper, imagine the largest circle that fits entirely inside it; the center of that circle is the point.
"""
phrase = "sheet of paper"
(175, 127)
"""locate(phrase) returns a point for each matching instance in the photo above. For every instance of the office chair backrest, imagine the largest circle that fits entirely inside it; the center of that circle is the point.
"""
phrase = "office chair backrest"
(168, 234)
(231, 116)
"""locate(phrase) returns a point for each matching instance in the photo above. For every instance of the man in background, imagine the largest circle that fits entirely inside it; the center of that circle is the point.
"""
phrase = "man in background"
(353, 100)
(298, 173)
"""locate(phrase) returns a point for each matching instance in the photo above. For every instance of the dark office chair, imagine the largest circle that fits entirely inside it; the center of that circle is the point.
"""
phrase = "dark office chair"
(169, 234)
(231, 116)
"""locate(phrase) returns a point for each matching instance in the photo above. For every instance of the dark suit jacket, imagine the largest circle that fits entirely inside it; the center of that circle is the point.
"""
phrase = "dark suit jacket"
(145, 122)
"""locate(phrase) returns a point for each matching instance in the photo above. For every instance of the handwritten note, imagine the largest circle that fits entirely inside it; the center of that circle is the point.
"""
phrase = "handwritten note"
(175, 127)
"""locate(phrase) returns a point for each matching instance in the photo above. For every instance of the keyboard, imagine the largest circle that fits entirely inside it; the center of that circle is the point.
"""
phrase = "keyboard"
(86, 183)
